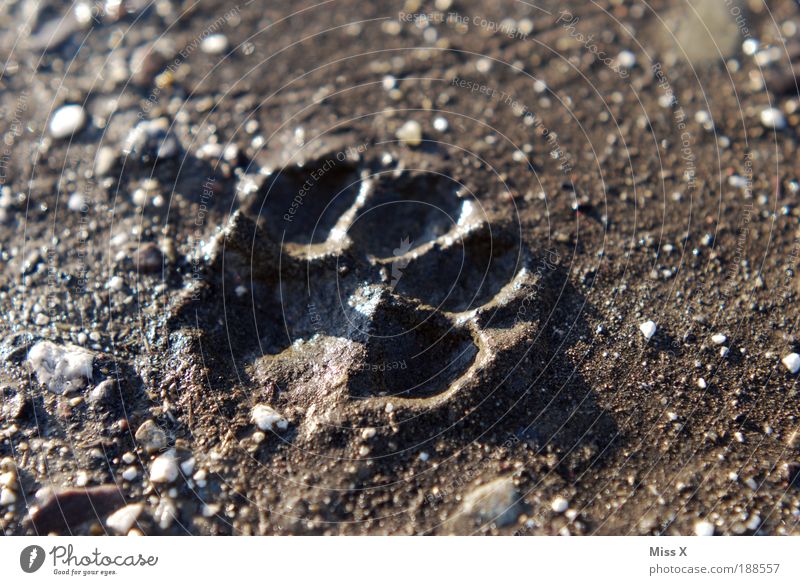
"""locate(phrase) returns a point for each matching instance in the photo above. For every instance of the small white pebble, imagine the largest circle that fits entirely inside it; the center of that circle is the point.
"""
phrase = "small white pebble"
(723, 351)
(754, 522)
(265, 417)
(165, 468)
(123, 519)
(702, 117)
(7, 497)
(701, 383)
(773, 118)
(410, 133)
(483, 65)
(559, 505)
(792, 362)
(67, 120)
(115, 283)
(187, 467)
(626, 59)
(128, 457)
(214, 44)
(648, 329)
(704, 528)
(76, 202)
(8, 479)
(750, 46)
(368, 433)
(82, 479)
(130, 473)
(440, 124)
(389, 407)
(719, 338)
(200, 478)
(424, 456)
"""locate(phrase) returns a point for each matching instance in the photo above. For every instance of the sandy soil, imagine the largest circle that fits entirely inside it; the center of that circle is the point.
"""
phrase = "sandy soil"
(381, 267)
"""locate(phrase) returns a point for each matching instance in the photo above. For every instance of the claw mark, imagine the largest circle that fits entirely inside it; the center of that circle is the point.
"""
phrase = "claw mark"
(399, 265)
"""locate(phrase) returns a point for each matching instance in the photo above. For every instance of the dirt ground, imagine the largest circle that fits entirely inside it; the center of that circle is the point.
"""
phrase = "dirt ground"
(349, 267)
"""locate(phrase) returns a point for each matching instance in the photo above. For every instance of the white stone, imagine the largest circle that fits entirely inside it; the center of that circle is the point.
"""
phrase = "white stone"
(123, 519)
(8, 479)
(104, 161)
(719, 338)
(648, 329)
(214, 44)
(704, 528)
(187, 467)
(7, 497)
(67, 120)
(773, 118)
(265, 417)
(559, 504)
(61, 368)
(368, 433)
(701, 383)
(76, 202)
(410, 133)
(165, 468)
(750, 46)
(130, 473)
(792, 362)
(626, 59)
(440, 124)
(82, 479)
(115, 283)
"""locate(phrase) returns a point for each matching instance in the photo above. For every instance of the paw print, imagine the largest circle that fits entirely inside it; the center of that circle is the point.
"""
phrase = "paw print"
(342, 286)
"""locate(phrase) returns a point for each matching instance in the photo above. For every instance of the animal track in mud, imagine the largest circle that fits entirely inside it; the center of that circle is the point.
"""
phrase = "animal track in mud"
(368, 283)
